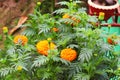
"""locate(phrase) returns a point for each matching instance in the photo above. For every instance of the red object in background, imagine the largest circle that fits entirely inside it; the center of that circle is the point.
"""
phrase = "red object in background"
(109, 11)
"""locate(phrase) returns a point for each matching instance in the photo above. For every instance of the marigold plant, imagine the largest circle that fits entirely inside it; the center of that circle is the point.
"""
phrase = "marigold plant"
(68, 54)
(78, 51)
(20, 39)
(43, 47)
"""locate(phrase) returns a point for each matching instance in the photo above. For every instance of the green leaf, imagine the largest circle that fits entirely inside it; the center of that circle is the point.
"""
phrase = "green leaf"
(63, 3)
(29, 32)
(6, 71)
(11, 50)
(72, 46)
(60, 11)
(40, 60)
(43, 28)
(58, 59)
(46, 75)
(81, 76)
(85, 55)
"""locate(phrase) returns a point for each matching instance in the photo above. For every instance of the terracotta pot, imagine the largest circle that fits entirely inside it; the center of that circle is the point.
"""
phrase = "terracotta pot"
(109, 11)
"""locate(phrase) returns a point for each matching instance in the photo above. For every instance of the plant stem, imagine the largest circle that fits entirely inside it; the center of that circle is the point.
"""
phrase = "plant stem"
(52, 5)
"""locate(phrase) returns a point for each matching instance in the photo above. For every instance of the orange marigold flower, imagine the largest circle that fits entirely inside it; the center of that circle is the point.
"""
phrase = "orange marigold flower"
(65, 16)
(68, 54)
(20, 39)
(111, 41)
(44, 46)
(55, 29)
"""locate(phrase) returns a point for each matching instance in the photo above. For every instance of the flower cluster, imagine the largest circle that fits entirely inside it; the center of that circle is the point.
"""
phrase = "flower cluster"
(20, 39)
(43, 47)
(68, 54)
(112, 40)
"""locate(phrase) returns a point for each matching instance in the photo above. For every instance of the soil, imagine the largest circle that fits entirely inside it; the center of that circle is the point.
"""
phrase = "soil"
(11, 11)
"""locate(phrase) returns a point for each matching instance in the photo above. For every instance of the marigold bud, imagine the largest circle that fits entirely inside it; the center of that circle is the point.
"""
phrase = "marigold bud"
(101, 16)
(118, 68)
(55, 29)
(19, 68)
(95, 54)
(5, 30)
(49, 39)
(38, 3)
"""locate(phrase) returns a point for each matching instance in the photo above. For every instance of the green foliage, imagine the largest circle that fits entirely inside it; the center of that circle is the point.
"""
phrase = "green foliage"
(82, 76)
(85, 54)
(40, 61)
(96, 59)
(6, 71)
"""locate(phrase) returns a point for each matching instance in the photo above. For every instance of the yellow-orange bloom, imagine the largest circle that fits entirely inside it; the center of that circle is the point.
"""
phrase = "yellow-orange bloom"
(110, 41)
(20, 39)
(65, 16)
(68, 54)
(55, 29)
(44, 46)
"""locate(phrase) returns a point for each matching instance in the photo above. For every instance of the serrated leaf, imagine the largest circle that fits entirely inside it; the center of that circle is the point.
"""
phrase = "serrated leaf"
(85, 54)
(63, 3)
(6, 71)
(82, 76)
(60, 11)
(40, 60)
